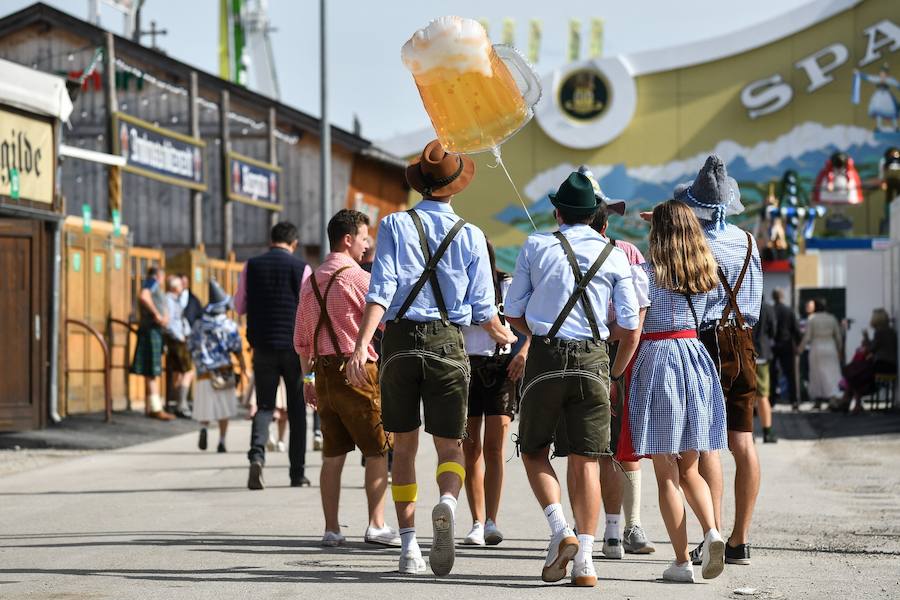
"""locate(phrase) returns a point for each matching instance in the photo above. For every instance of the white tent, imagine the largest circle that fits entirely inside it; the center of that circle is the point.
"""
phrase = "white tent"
(34, 91)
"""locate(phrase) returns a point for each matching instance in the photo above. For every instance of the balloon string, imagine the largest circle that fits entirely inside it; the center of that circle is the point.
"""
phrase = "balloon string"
(496, 152)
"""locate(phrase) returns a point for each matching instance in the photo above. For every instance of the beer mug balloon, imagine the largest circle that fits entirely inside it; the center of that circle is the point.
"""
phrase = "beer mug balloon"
(477, 95)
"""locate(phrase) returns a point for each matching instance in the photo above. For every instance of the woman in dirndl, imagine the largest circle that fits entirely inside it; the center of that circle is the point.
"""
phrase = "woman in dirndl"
(676, 405)
(213, 341)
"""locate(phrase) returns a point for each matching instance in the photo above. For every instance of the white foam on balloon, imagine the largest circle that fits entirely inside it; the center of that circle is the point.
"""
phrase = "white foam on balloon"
(449, 42)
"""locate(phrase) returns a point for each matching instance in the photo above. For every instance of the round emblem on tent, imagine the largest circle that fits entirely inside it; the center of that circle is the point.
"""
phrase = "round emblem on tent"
(584, 95)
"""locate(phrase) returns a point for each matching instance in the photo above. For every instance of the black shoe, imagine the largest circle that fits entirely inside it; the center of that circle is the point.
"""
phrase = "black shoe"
(221, 448)
(697, 554)
(255, 481)
(184, 414)
(201, 443)
(300, 482)
(769, 438)
(737, 555)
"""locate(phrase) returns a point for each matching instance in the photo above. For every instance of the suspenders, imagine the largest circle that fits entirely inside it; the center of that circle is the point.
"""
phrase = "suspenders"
(732, 293)
(581, 283)
(324, 319)
(431, 263)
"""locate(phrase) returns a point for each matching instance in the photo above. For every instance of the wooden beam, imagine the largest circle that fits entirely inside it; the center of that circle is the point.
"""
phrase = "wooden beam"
(274, 216)
(196, 196)
(113, 174)
(227, 204)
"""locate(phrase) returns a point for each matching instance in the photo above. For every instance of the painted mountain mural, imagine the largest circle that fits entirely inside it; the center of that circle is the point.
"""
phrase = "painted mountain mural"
(804, 149)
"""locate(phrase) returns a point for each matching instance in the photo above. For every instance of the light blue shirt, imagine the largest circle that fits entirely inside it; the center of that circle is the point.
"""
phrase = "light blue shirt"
(464, 271)
(543, 283)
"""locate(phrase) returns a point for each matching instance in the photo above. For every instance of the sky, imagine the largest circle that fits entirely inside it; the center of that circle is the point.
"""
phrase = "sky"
(364, 37)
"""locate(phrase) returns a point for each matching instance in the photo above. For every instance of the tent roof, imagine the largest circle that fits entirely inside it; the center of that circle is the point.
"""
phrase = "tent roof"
(34, 91)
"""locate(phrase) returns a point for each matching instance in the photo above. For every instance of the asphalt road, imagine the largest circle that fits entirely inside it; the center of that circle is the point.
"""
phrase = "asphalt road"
(163, 520)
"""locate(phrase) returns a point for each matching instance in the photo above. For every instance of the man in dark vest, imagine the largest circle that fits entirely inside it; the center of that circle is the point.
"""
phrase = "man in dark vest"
(431, 276)
(268, 293)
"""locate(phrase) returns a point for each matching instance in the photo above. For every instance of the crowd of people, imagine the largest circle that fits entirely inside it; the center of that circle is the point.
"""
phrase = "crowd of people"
(606, 358)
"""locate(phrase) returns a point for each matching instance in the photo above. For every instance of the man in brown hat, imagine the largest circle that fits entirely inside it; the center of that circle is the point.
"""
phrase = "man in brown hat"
(430, 277)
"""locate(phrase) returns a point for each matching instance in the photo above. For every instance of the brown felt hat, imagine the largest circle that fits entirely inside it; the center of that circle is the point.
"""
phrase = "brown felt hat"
(438, 173)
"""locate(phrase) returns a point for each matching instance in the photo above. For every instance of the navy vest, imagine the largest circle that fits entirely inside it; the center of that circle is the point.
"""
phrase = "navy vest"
(273, 292)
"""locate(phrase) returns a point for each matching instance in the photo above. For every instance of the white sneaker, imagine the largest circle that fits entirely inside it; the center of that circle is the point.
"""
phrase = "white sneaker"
(492, 535)
(412, 563)
(317, 440)
(443, 551)
(563, 547)
(270, 443)
(612, 548)
(713, 562)
(583, 574)
(476, 535)
(281, 446)
(386, 536)
(332, 539)
(680, 572)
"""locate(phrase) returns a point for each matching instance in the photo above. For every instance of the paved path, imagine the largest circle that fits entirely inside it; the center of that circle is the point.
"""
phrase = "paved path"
(163, 520)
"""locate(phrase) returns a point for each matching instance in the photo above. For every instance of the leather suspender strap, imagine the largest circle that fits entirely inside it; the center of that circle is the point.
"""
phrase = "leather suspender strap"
(732, 293)
(581, 283)
(431, 262)
(324, 319)
(693, 311)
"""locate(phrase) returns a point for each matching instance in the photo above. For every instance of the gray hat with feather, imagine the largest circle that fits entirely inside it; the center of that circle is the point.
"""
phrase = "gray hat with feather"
(713, 195)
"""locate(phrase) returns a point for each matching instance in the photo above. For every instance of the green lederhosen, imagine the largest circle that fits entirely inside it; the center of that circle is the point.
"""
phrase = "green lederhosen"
(568, 378)
(425, 361)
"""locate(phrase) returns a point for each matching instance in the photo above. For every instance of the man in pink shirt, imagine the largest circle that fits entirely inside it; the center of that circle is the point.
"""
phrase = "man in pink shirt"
(331, 307)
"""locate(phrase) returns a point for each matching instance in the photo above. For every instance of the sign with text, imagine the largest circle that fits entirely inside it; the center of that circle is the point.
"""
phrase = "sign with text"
(160, 154)
(253, 182)
(27, 159)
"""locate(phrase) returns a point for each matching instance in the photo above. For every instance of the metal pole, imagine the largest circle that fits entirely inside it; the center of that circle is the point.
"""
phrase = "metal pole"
(325, 140)
(274, 215)
(227, 204)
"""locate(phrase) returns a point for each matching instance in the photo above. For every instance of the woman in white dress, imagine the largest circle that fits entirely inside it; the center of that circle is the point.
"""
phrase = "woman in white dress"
(824, 338)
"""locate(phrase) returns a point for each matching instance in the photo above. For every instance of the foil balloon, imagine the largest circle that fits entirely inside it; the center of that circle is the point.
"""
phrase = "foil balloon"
(477, 95)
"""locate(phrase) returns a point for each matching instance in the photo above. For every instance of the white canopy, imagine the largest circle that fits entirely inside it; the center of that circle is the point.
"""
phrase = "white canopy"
(34, 91)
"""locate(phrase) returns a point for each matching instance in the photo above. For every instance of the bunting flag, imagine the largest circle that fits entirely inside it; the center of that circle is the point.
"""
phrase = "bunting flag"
(509, 32)
(596, 38)
(534, 41)
(574, 40)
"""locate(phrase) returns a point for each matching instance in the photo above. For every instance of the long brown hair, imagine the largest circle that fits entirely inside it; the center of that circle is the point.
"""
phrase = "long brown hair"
(682, 261)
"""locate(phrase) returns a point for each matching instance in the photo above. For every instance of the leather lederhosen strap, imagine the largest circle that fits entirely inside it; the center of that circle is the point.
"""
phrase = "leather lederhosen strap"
(582, 280)
(732, 293)
(324, 319)
(431, 263)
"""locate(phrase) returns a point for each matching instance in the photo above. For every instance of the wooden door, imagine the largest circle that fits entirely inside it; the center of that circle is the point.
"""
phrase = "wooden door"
(20, 321)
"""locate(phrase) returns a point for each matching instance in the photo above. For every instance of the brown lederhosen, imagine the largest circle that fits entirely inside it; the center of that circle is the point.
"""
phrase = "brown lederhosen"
(730, 343)
(350, 416)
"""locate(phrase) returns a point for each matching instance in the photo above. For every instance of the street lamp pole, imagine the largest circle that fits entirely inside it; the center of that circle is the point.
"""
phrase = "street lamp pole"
(325, 139)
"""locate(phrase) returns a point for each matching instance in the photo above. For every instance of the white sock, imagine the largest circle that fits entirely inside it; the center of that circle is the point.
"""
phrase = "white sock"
(632, 502)
(612, 527)
(585, 548)
(450, 501)
(156, 403)
(555, 518)
(408, 540)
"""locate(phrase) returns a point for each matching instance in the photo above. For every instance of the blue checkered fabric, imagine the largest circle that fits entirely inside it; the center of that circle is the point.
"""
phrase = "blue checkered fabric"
(675, 400)
(729, 246)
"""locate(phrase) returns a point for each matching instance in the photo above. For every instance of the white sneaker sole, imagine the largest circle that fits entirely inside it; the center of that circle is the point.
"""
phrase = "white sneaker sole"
(713, 560)
(471, 542)
(383, 542)
(613, 552)
(568, 548)
(412, 568)
(443, 552)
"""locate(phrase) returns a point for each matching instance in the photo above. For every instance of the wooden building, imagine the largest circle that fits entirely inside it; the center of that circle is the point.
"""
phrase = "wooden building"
(32, 104)
(153, 102)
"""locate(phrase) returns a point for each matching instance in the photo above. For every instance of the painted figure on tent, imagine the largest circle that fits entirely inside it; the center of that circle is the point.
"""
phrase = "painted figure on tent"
(883, 105)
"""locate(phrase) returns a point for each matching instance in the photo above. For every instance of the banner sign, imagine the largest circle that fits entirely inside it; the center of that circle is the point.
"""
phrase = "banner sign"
(159, 153)
(27, 158)
(253, 182)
